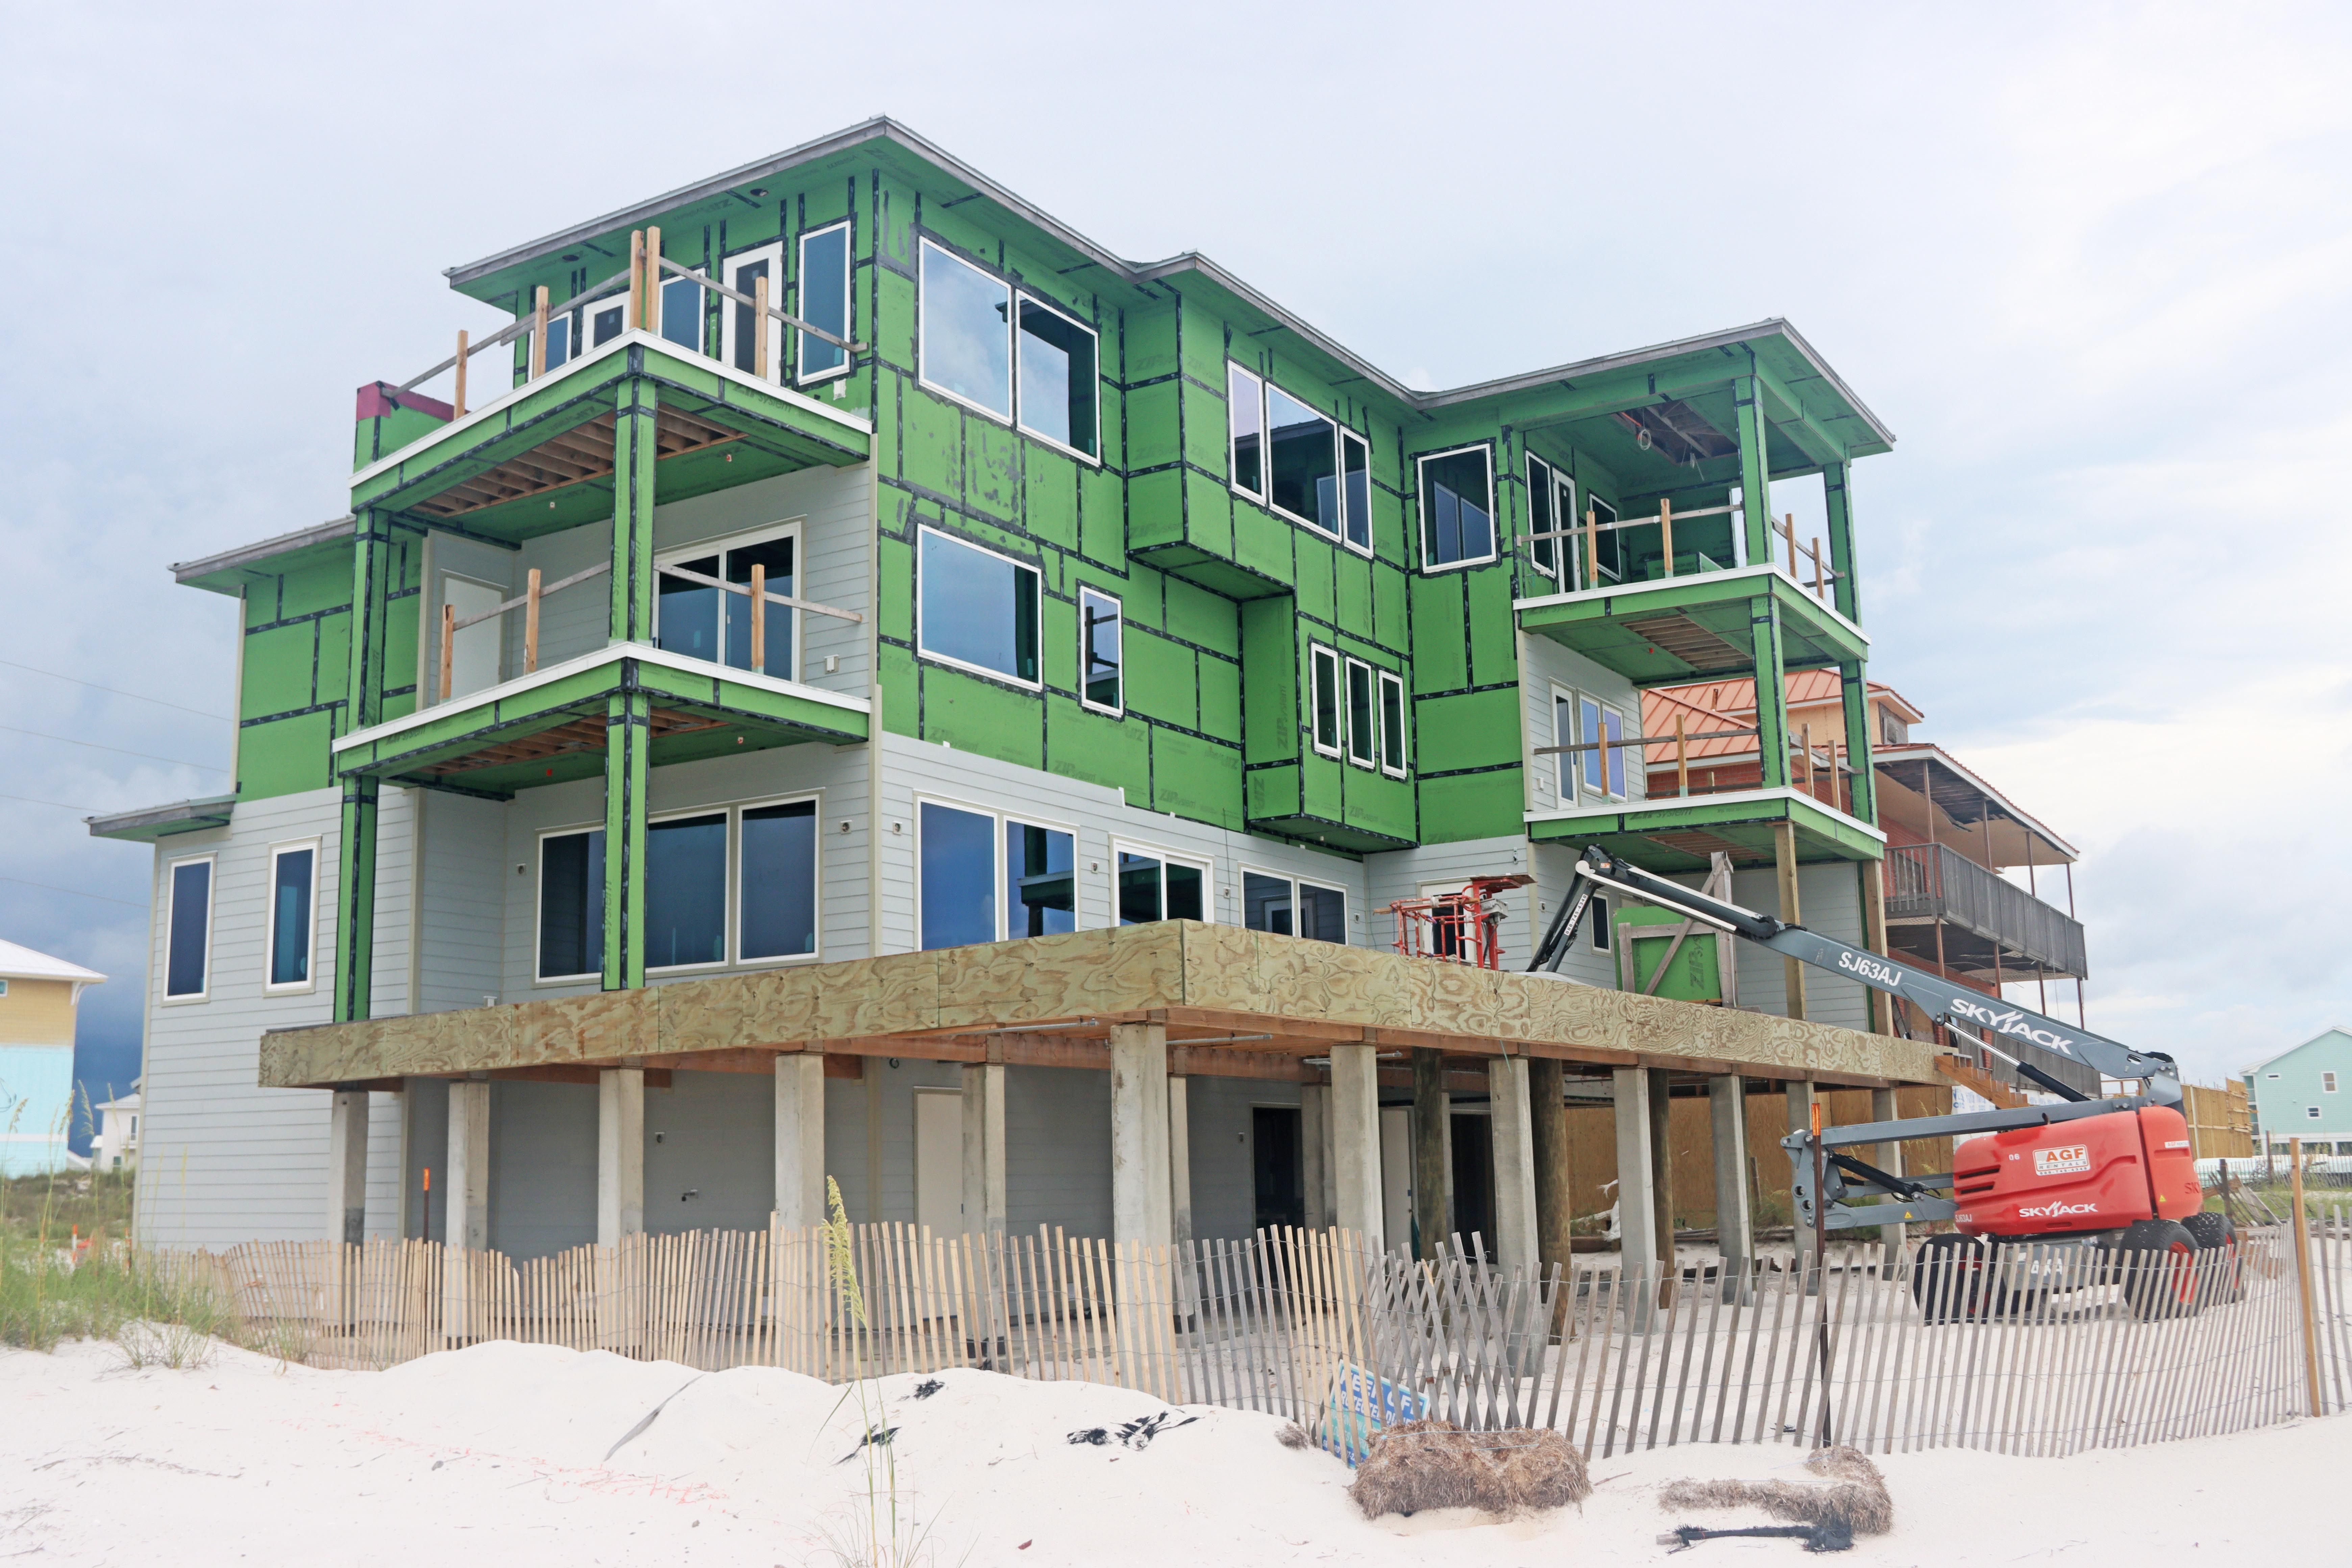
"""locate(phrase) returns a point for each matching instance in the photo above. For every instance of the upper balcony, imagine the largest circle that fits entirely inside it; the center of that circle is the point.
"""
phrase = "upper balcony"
(1671, 595)
(1948, 905)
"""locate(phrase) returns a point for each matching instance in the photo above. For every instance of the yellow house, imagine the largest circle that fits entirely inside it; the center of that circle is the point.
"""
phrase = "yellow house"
(39, 998)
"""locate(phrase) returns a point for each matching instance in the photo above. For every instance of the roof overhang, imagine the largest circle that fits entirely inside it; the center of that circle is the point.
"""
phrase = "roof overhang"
(151, 823)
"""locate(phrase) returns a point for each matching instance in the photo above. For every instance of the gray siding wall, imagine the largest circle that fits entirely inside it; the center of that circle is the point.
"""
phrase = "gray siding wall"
(1224, 1188)
(221, 1159)
(1549, 666)
(1830, 896)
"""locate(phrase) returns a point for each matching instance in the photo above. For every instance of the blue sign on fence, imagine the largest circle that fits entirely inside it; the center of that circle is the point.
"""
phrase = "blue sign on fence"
(1361, 1404)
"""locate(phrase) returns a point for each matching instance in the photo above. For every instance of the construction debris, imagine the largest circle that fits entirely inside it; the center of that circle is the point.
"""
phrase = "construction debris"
(1135, 1434)
(1854, 1497)
(1830, 1537)
(1420, 1465)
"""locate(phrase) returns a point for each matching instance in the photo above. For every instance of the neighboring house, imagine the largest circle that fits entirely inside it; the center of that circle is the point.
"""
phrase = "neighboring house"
(2306, 1093)
(40, 998)
(116, 1147)
(1101, 595)
(1950, 838)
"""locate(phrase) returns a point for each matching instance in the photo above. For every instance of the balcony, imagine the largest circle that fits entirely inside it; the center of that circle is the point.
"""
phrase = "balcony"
(1945, 910)
(1664, 598)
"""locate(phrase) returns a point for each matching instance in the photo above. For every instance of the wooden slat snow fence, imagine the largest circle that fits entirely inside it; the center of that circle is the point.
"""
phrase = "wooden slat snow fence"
(1736, 1353)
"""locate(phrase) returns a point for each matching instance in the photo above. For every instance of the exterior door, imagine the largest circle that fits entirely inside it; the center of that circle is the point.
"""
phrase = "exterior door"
(938, 1160)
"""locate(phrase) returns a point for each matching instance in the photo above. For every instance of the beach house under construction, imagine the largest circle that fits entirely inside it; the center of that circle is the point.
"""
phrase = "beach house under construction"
(845, 676)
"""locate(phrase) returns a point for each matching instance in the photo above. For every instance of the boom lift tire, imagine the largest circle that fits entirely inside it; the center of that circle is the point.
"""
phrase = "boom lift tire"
(2157, 1261)
(2225, 1280)
(1950, 1278)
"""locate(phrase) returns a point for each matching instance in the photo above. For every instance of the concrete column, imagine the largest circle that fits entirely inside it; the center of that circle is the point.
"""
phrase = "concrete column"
(983, 1148)
(1138, 1135)
(800, 1140)
(1548, 1123)
(1516, 1242)
(1735, 1227)
(1431, 1110)
(1889, 1159)
(1637, 1207)
(620, 1155)
(1180, 1160)
(1661, 1165)
(347, 1155)
(1356, 1142)
(1315, 1153)
(1784, 865)
(469, 1160)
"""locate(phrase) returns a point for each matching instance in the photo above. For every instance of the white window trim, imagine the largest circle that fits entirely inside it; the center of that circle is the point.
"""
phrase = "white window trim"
(2311, 1112)
(539, 903)
(1350, 664)
(1201, 863)
(1403, 766)
(1575, 760)
(212, 903)
(950, 660)
(1365, 549)
(795, 529)
(996, 861)
(1020, 423)
(1245, 869)
(1563, 515)
(726, 908)
(735, 877)
(772, 253)
(1549, 482)
(1234, 367)
(848, 304)
(1568, 776)
(269, 922)
(1088, 591)
(1592, 568)
(2327, 1083)
(701, 277)
(923, 337)
(1420, 520)
(1317, 651)
(577, 320)
(1265, 463)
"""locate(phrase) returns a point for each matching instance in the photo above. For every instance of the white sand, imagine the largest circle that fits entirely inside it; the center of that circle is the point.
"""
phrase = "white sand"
(498, 1453)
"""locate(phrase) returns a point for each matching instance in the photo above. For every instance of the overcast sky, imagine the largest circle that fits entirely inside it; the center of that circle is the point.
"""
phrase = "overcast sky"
(2091, 263)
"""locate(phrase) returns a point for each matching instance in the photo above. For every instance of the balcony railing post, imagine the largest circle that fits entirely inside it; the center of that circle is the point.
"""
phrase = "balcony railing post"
(458, 402)
(1591, 548)
(448, 640)
(531, 623)
(760, 327)
(1666, 531)
(539, 334)
(1682, 759)
(759, 618)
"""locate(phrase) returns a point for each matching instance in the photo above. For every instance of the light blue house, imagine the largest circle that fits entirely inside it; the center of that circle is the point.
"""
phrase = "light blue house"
(2306, 1093)
(40, 997)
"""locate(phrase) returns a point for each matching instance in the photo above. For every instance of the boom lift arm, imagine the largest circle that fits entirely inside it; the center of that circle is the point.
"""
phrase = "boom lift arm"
(1942, 1000)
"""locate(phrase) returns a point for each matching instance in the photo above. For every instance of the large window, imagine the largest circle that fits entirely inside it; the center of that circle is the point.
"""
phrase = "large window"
(1363, 729)
(1303, 447)
(293, 891)
(1245, 429)
(1609, 566)
(1355, 489)
(1100, 652)
(694, 616)
(1288, 907)
(1598, 772)
(681, 311)
(1156, 886)
(738, 335)
(1323, 698)
(604, 319)
(977, 609)
(1551, 506)
(967, 333)
(1059, 387)
(723, 884)
(1392, 723)
(985, 876)
(1457, 509)
(188, 930)
(824, 301)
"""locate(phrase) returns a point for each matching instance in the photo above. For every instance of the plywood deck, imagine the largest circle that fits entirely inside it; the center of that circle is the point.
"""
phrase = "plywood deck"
(1237, 1003)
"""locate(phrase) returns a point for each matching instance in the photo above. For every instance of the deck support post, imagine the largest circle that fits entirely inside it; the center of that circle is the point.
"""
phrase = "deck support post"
(1548, 1125)
(1802, 1094)
(983, 1148)
(468, 1159)
(1727, 1105)
(1315, 1155)
(1140, 1205)
(1180, 1160)
(1355, 1142)
(1431, 1107)
(1637, 1204)
(1662, 1163)
(800, 1140)
(1890, 1160)
(347, 1159)
(1515, 1240)
(620, 1155)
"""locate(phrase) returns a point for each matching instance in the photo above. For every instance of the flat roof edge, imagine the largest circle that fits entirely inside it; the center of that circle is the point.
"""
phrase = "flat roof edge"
(211, 811)
(246, 555)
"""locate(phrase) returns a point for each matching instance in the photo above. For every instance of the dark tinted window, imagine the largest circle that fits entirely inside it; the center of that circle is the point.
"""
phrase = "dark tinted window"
(1265, 903)
(778, 878)
(824, 299)
(959, 875)
(1457, 517)
(745, 280)
(1306, 463)
(1098, 641)
(191, 897)
(977, 608)
(687, 613)
(1361, 731)
(1246, 420)
(572, 904)
(1322, 912)
(1041, 885)
(776, 555)
(1058, 377)
(1355, 462)
(289, 917)
(967, 344)
(686, 891)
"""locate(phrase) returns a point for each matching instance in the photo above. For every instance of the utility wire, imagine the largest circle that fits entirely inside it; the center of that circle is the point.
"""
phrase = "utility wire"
(115, 690)
(93, 745)
(61, 806)
(77, 892)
